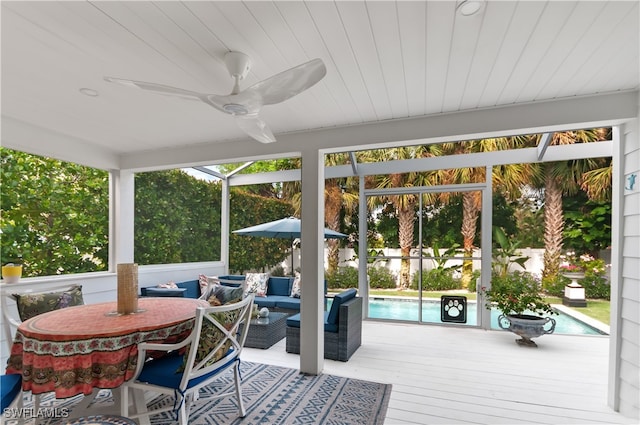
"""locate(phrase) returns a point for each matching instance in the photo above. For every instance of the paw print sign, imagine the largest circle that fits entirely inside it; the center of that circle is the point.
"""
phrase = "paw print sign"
(453, 309)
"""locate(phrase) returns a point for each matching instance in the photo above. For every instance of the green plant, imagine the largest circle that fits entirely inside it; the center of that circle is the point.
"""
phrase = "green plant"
(342, 278)
(381, 278)
(506, 252)
(440, 259)
(516, 293)
(436, 280)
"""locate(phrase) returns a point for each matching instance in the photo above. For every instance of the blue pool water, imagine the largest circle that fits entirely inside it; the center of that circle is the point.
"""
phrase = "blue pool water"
(400, 309)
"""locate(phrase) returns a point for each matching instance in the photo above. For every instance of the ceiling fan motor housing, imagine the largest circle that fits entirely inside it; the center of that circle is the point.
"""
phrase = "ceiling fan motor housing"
(238, 64)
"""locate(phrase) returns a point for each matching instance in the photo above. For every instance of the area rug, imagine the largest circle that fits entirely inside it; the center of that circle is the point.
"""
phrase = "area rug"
(272, 395)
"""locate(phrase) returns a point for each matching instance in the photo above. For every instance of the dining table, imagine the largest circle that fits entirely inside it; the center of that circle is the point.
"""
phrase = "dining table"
(76, 350)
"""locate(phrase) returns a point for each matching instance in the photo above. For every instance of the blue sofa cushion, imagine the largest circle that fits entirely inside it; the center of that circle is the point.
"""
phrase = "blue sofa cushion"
(237, 277)
(279, 286)
(294, 322)
(268, 302)
(163, 292)
(192, 288)
(10, 387)
(338, 300)
(286, 302)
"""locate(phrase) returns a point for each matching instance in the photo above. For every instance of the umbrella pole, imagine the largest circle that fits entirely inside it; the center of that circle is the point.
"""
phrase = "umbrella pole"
(292, 268)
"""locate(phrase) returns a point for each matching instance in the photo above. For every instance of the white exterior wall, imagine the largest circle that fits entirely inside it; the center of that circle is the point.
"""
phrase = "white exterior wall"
(625, 342)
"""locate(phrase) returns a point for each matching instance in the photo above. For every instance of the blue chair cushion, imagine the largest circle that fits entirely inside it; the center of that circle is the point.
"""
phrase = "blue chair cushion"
(10, 387)
(192, 288)
(162, 371)
(279, 286)
(338, 300)
(164, 292)
(294, 322)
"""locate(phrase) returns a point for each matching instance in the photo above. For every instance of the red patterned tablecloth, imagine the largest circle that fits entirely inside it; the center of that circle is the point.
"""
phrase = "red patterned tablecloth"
(76, 349)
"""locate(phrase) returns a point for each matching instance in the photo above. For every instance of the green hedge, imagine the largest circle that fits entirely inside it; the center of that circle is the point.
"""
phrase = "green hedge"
(436, 280)
(347, 277)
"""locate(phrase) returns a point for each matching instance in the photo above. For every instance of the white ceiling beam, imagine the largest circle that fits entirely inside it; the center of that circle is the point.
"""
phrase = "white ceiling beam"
(484, 159)
(544, 144)
(537, 117)
(210, 172)
(354, 162)
(240, 168)
(20, 136)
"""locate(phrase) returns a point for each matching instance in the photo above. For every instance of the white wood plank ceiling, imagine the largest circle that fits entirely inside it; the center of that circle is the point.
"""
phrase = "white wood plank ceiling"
(386, 60)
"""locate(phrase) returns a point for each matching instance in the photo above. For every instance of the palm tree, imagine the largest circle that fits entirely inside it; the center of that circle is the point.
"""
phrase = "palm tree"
(506, 178)
(336, 198)
(567, 177)
(404, 204)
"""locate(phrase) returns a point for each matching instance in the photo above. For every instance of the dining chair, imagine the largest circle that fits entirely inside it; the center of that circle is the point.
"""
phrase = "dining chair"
(213, 347)
(19, 305)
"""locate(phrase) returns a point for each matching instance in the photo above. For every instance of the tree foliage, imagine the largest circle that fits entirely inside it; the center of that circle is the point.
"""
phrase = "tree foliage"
(177, 218)
(255, 253)
(55, 215)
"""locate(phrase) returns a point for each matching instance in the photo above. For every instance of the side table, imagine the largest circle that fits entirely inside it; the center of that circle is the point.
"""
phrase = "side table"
(264, 332)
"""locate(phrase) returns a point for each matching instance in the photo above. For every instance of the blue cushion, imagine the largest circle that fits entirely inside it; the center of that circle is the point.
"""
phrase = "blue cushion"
(162, 371)
(268, 302)
(294, 322)
(10, 387)
(338, 300)
(164, 292)
(192, 288)
(286, 302)
(239, 278)
(279, 286)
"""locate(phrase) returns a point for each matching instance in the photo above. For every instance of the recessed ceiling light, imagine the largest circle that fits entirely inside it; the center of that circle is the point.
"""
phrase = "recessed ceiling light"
(89, 92)
(469, 7)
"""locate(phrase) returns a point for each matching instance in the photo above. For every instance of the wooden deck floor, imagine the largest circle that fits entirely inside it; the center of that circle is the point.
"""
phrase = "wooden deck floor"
(453, 375)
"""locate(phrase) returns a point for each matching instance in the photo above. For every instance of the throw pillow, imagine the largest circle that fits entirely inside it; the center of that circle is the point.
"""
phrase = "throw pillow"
(203, 281)
(256, 283)
(210, 337)
(31, 305)
(296, 287)
(221, 294)
(171, 285)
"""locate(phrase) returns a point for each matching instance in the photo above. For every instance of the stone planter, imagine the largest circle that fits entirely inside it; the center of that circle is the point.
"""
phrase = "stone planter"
(574, 295)
(526, 326)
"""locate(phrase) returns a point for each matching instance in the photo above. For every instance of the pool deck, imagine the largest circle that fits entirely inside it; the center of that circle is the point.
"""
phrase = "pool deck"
(454, 375)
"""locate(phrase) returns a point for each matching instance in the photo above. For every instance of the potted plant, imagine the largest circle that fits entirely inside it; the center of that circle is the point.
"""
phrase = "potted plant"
(12, 272)
(517, 296)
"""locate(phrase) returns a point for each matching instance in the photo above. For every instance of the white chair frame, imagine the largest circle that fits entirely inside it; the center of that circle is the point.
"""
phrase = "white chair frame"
(186, 395)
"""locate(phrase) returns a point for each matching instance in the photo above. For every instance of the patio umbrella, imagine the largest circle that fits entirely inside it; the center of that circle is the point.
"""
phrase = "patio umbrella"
(285, 228)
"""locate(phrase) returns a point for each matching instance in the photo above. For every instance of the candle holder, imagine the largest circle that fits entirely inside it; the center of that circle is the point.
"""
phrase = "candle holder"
(127, 290)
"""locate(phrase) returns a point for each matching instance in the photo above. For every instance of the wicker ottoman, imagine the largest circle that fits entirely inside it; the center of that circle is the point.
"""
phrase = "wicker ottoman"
(264, 332)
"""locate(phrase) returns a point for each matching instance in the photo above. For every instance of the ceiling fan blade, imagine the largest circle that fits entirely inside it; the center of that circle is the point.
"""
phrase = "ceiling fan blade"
(288, 83)
(255, 127)
(158, 88)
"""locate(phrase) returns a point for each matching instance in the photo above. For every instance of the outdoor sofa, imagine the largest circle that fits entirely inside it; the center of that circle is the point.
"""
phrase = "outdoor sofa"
(278, 297)
(342, 327)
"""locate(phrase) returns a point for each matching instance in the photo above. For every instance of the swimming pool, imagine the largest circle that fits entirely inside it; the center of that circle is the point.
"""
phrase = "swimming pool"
(407, 309)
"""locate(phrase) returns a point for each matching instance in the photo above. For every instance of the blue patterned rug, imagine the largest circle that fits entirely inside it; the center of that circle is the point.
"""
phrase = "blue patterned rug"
(273, 395)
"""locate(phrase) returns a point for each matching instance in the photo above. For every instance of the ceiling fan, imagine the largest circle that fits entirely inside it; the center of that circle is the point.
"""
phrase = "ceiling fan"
(245, 104)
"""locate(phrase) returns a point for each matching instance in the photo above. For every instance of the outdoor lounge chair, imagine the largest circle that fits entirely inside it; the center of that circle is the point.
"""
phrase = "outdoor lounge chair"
(342, 328)
(213, 347)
